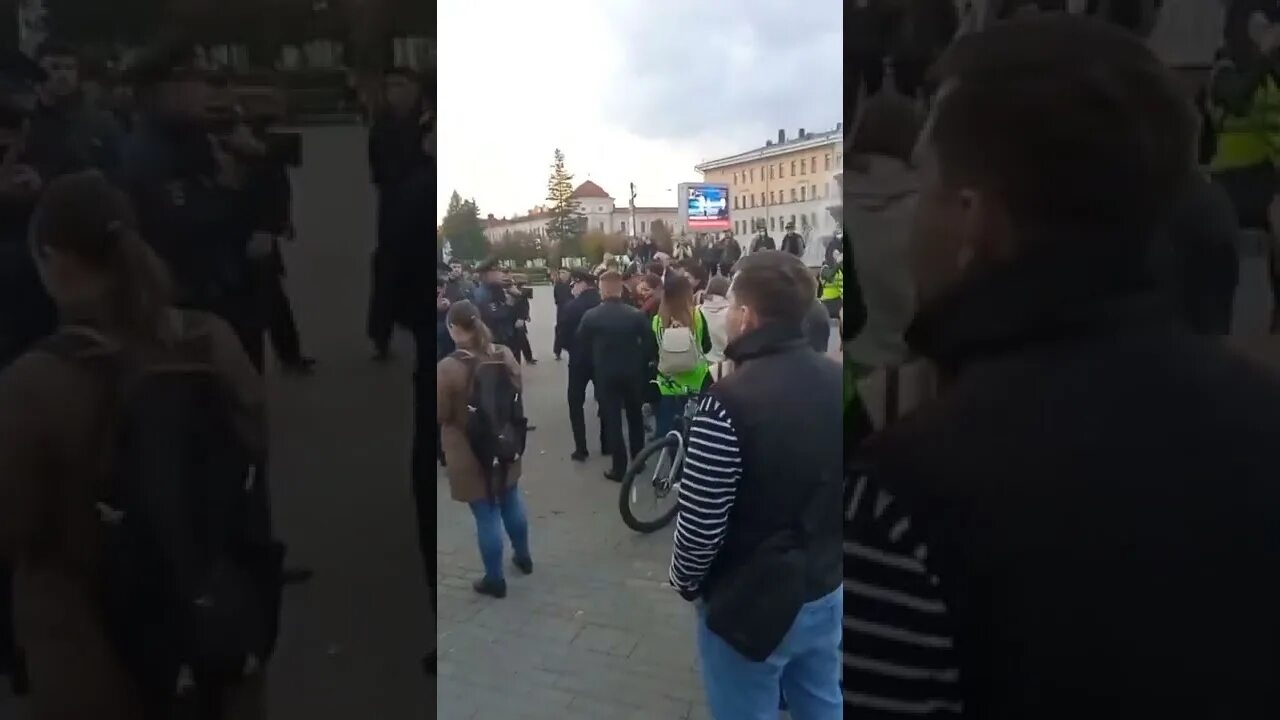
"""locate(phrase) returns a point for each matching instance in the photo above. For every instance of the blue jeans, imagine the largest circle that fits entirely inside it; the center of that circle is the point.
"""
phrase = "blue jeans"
(665, 413)
(805, 669)
(490, 519)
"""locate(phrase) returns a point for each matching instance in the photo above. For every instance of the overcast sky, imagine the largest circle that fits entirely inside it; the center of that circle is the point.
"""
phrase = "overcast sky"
(632, 90)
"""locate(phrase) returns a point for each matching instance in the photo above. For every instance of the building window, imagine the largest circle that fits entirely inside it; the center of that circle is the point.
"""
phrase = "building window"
(793, 194)
(641, 227)
(793, 219)
(826, 161)
(813, 191)
(803, 162)
(735, 178)
(753, 175)
(781, 170)
(802, 189)
(813, 164)
(839, 160)
(793, 168)
(770, 171)
(772, 226)
(601, 226)
(761, 197)
(771, 200)
(753, 200)
(624, 227)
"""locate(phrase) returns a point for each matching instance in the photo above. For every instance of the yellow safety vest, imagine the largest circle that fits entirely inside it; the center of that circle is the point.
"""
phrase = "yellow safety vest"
(834, 289)
(1249, 140)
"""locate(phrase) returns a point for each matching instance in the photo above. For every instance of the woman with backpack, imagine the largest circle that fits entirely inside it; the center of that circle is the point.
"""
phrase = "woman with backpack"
(489, 490)
(715, 310)
(56, 456)
(683, 344)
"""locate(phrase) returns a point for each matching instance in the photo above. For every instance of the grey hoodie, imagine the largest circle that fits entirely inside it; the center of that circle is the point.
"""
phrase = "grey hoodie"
(880, 204)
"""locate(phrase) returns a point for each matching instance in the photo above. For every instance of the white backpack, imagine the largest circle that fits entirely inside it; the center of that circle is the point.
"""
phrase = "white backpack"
(678, 351)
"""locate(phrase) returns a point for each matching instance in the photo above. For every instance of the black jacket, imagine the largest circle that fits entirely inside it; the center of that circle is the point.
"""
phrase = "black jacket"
(619, 339)
(784, 400)
(1097, 490)
(793, 243)
(764, 242)
(563, 294)
(202, 230)
(817, 327)
(567, 328)
(26, 311)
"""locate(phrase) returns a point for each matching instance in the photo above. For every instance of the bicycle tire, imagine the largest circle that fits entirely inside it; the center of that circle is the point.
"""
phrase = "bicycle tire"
(629, 479)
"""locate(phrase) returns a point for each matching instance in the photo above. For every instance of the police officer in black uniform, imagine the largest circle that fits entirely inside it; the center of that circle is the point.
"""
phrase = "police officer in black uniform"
(586, 297)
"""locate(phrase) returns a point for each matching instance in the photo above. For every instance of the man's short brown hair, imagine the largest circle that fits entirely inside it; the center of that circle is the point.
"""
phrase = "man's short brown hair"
(1074, 124)
(610, 276)
(775, 284)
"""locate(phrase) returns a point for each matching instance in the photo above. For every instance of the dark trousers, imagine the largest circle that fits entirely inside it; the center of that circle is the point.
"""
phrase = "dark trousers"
(521, 347)
(281, 324)
(621, 398)
(382, 310)
(577, 396)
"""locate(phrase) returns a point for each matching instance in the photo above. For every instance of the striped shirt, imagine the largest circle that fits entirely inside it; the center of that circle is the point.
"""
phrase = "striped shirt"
(899, 659)
(708, 486)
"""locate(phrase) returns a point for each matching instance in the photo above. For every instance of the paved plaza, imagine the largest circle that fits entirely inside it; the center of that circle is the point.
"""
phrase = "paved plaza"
(595, 632)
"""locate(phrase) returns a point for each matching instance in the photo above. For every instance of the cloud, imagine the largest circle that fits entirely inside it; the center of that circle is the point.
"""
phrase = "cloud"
(726, 74)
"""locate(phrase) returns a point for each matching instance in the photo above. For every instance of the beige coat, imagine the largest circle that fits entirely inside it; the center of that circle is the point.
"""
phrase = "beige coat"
(52, 459)
(466, 481)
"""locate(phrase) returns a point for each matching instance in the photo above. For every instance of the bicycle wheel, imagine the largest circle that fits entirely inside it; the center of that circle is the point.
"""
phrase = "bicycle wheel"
(648, 495)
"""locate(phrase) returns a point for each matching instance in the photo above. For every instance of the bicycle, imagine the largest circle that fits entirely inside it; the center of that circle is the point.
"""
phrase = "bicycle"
(668, 451)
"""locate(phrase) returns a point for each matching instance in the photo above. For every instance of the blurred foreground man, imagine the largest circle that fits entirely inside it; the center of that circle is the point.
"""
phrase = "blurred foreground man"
(1073, 527)
(757, 539)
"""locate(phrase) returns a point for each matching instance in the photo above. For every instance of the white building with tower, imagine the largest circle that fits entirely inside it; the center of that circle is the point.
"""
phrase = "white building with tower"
(600, 211)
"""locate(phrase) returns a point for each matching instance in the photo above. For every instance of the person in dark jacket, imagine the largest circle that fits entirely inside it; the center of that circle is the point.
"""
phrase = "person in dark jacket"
(67, 132)
(394, 156)
(621, 346)
(1052, 503)
(586, 297)
(520, 294)
(763, 242)
(562, 293)
(194, 203)
(730, 254)
(792, 242)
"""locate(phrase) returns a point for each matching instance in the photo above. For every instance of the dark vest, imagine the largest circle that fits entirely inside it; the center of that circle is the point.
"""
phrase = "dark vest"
(784, 401)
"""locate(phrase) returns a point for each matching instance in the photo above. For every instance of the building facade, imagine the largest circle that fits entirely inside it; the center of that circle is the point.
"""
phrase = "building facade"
(600, 212)
(788, 180)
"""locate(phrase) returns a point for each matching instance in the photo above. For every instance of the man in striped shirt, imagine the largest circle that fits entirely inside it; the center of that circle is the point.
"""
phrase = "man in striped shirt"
(757, 540)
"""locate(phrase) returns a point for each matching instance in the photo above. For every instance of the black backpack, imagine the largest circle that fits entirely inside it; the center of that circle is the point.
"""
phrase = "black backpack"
(192, 580)
(496, 426)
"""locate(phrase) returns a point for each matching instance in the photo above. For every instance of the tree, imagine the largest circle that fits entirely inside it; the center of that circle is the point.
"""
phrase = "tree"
(519, 246)
(661, 235)
(567, 224)
(596, 244)
(463, 230)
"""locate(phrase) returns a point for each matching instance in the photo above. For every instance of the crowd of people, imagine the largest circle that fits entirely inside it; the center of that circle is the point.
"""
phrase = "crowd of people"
(140, 277)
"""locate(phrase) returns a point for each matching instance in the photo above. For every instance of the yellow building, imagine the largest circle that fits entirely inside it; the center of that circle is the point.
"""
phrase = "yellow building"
(790, 180)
